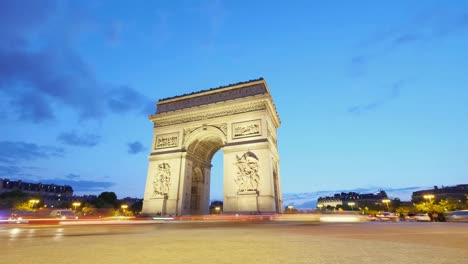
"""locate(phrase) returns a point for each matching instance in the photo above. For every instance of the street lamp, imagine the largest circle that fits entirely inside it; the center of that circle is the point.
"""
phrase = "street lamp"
(429, 197)
(76, 204)
(124, 207)
(320, 206)
(386, 201)
(33, 202)
(352, 205)
(217, 209)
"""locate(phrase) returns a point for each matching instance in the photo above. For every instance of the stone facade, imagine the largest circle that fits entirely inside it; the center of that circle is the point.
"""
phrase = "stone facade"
(241, 120)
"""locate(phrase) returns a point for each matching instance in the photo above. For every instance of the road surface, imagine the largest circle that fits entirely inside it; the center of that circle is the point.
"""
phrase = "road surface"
(237, 242)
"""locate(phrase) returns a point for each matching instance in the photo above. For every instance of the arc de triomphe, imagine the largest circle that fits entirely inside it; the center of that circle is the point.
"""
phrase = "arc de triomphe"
(239, 119)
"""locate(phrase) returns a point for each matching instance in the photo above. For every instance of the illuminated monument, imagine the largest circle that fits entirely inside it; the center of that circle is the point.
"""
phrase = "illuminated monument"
(239, 119)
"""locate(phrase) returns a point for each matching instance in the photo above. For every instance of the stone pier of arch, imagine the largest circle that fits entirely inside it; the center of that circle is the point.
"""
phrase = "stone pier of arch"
(240, 120)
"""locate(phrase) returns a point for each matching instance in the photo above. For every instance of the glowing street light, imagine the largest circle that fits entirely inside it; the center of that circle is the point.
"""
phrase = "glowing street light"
(320, 206)
(352, 205)
(33, 202)
(124, 207)
(217, 209)
(386, 201)
(76, 204)
(428, 197)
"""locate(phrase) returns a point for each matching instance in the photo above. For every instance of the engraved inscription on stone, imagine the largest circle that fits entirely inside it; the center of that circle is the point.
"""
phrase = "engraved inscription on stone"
(247, 177)
(246, 129)
(167, 141)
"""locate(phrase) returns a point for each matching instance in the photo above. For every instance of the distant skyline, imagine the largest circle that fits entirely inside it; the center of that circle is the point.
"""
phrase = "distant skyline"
(370, 94)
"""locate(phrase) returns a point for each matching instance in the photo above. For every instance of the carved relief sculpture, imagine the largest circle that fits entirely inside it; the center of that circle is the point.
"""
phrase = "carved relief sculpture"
(162, 180)
(247, 177)
(246, 129)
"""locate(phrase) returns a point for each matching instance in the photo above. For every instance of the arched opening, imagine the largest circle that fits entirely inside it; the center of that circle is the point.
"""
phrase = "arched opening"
(200, 151)
(217, 182)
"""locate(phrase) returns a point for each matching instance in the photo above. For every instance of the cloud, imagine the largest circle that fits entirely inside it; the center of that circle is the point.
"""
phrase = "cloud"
(392, 94)
(82, 185)
(427, 26)
(85, 140)
(72, 176)
(12, 152)
(135, 147)
(124, 99)
(9, 171)
(41, 71)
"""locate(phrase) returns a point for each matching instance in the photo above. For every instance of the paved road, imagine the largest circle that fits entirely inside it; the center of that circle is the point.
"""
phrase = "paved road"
(237, 242)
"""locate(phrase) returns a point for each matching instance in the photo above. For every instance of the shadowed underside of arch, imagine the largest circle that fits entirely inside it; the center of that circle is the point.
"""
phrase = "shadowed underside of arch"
(205, 148)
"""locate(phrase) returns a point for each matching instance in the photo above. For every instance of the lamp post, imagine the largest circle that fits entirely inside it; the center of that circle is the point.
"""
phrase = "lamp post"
(429, 197)
(124, 207)
(352, 205)
(320, 206)
(33, 202)
(76, 204)
(217, 209)
(386, 201)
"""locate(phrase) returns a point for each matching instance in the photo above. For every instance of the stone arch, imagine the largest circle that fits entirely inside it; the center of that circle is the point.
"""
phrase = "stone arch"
(241, 120)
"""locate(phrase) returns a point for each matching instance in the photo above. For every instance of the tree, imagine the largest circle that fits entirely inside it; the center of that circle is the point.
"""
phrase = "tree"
(137, 206)
(12, 199)
(107, 200)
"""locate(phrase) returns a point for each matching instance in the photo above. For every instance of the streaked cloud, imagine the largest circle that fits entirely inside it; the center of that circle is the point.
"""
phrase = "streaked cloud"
(427, 26)
(82, 185)
(72, 176)
(74, 139)
(12, 152)
(392, 93)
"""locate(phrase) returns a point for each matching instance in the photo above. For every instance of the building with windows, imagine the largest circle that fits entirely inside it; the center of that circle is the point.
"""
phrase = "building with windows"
(52, 194)
(340, 199)
(457, 193)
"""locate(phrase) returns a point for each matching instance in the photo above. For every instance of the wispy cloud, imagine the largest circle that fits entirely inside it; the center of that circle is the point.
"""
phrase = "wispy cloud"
(392, 93)
(124, 99)
(135, 147)
(427, 26)
(82, 185)
(74, 139)
(40, 69)
(12, 152)
(72, 176)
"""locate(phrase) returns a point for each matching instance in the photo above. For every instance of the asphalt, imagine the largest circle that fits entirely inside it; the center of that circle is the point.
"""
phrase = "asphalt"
(237, 242)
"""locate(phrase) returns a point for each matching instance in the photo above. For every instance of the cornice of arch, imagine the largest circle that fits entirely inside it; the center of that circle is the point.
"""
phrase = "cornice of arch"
(220, 109)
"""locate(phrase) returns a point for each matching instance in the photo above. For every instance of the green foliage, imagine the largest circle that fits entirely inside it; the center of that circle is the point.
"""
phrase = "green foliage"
(12, 199)
(441, 207)
(107, 200)
(137, 206)
(88, 210)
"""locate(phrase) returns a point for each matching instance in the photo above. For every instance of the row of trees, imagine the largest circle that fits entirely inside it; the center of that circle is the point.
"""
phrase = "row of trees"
(403, 208)
(105, 203)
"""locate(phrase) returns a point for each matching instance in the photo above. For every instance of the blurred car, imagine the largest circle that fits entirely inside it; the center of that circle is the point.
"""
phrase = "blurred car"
(457, 216)
(21, 217)
(387, 216)
(372, 218)
(410, 217)
(423, 217)
(63, 214)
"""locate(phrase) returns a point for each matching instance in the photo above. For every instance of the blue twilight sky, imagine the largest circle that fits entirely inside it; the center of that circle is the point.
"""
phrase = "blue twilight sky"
(370, 93)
